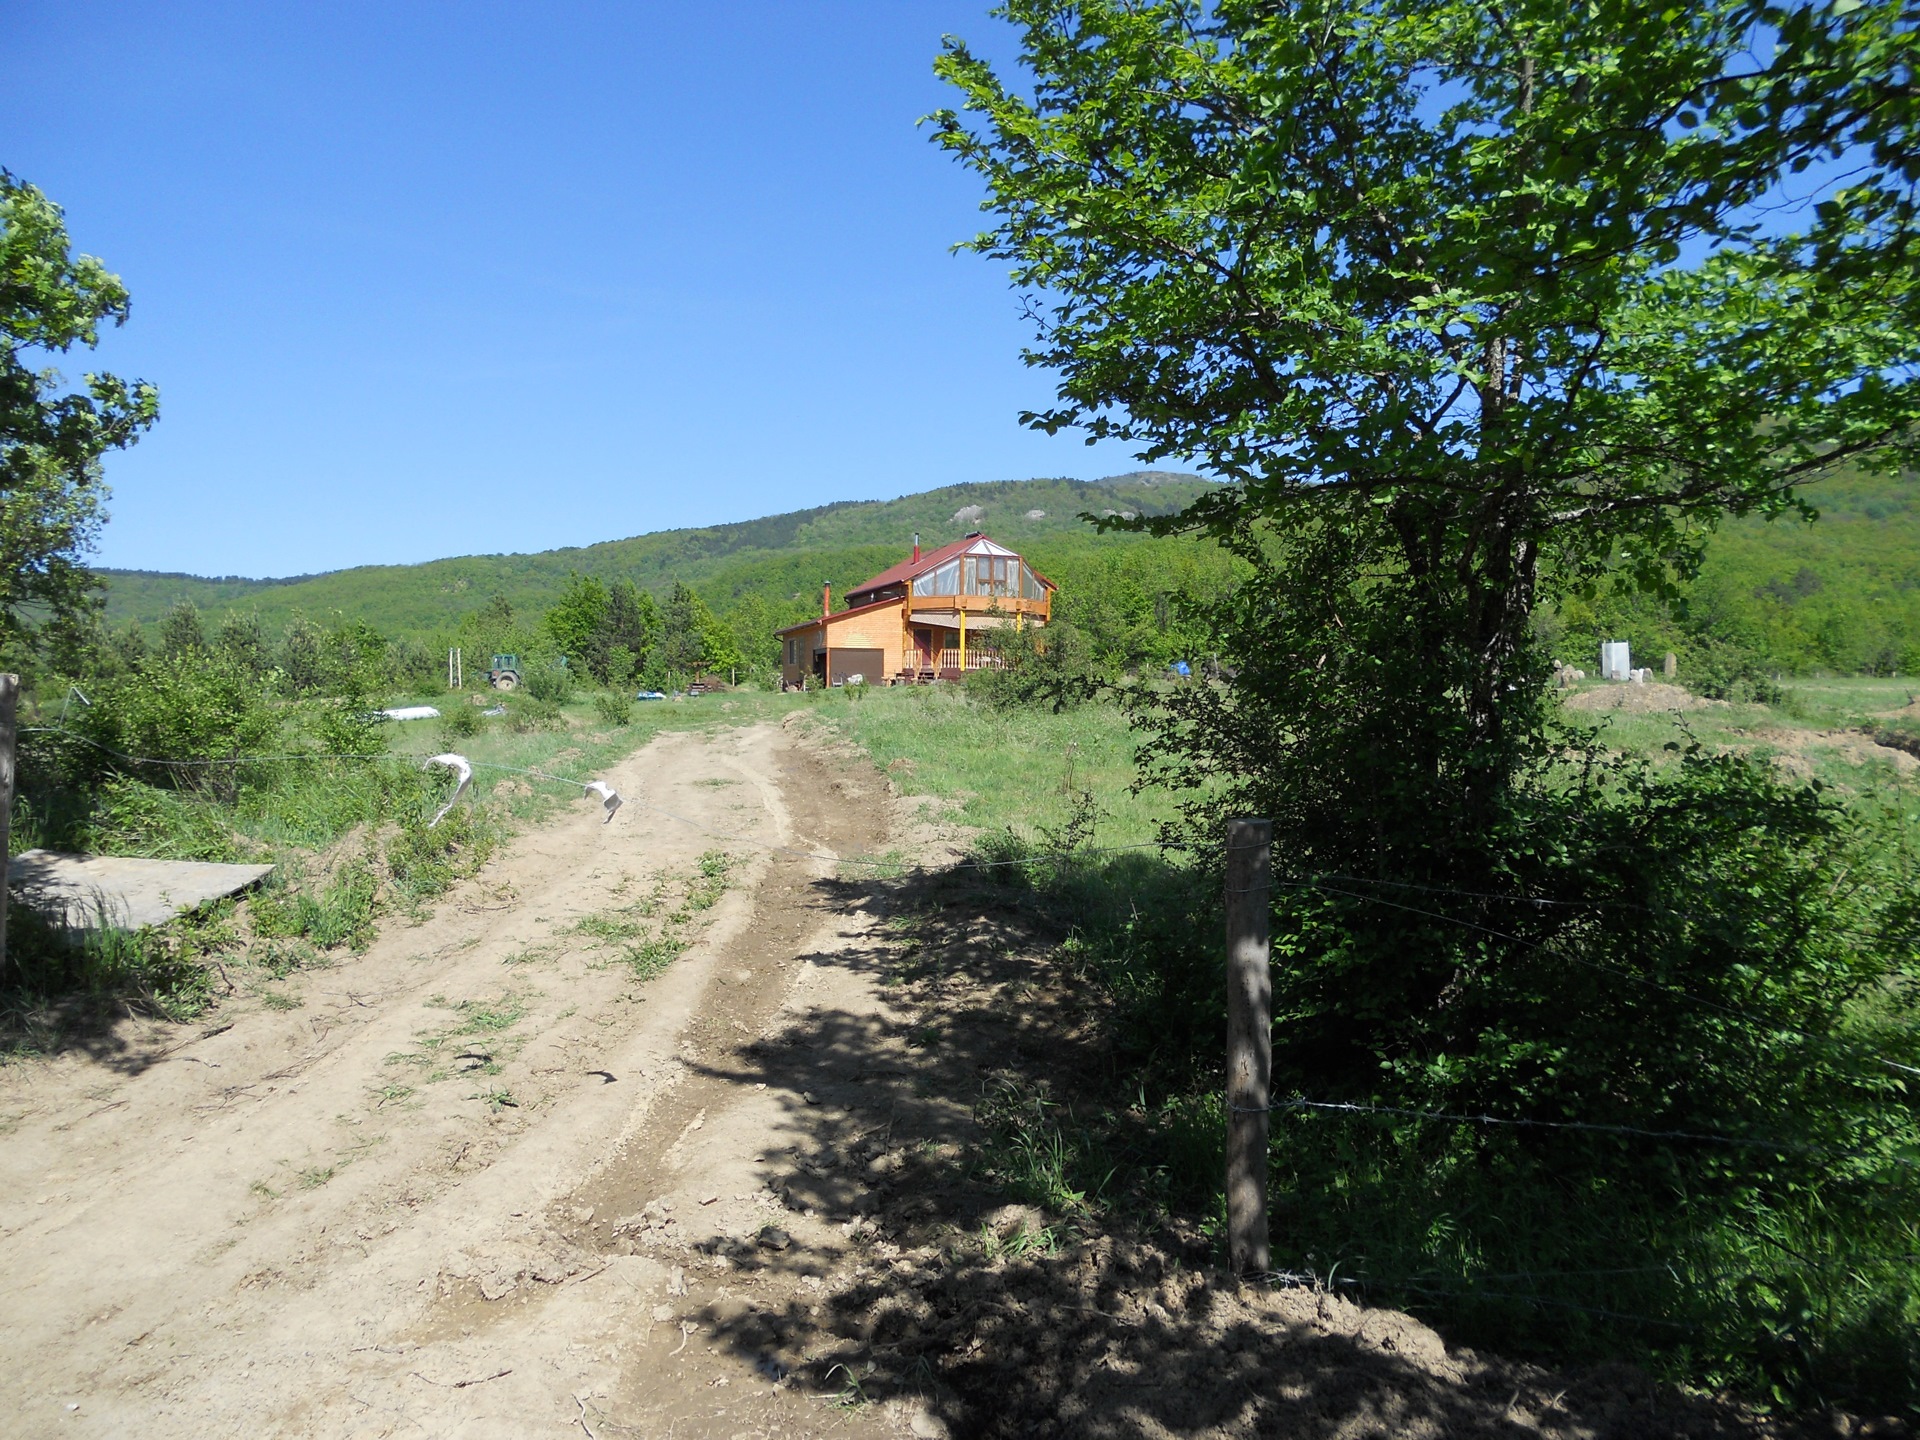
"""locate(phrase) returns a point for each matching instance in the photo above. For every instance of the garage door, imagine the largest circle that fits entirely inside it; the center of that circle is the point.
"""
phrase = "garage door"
(842, 663)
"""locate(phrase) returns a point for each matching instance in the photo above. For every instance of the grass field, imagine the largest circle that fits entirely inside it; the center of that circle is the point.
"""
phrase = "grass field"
(1026, 770)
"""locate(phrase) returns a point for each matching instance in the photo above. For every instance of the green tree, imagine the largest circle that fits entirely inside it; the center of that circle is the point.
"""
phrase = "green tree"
(242, 638)
(1476, 293)
(357, 662)
(303, 656)
(1053, 667)
(1474, 306)
(577, 624)
(693, 641)
(633, 627)
(52, 438)
(181, 633)
(126, 648)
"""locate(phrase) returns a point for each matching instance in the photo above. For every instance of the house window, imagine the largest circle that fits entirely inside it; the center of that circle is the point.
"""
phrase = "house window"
(991, 574)
(944, 581)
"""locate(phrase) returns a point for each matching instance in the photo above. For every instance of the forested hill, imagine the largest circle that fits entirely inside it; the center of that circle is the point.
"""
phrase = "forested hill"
(1841, 593)
(779, 557)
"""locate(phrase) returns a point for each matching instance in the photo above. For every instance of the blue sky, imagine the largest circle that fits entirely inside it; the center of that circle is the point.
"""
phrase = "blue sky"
(423, 280)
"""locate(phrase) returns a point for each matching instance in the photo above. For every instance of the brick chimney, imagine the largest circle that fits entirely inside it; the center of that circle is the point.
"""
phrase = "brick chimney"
(826, 598)
(916, 546)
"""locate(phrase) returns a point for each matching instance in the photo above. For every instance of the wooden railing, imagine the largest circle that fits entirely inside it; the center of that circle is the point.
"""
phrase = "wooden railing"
(947, 660)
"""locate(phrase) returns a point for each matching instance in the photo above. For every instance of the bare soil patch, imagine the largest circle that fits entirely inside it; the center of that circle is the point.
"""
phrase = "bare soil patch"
(1651, 697)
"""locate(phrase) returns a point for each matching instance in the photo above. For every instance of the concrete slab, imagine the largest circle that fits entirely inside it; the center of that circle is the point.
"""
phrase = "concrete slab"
(95, 892)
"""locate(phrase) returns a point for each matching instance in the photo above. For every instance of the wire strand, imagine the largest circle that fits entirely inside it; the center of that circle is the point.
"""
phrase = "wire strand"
(1781, 1147)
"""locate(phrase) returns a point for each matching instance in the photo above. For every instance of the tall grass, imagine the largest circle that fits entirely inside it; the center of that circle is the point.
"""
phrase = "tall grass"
(349, 835)
(1031, 772)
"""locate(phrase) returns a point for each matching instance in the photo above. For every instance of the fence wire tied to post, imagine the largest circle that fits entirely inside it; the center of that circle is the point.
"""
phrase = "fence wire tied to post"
(1731, 1012)
(1320, 882)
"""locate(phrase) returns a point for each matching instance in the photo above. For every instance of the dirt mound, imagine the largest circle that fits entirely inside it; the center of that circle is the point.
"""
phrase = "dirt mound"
(1117, 1338)
(1794, 749)
(1651, 696)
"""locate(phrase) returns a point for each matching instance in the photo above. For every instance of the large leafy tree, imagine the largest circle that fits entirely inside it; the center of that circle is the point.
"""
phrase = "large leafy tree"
(1481, 290)
(1470, 301)
(52, 437)
(577, 621)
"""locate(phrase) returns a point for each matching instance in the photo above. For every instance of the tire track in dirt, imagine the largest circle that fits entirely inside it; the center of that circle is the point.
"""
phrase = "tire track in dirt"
(254, 1231)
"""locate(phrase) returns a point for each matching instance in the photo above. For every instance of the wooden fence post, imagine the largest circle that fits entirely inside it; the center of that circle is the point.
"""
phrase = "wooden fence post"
(1249, 1042)
(9, 702)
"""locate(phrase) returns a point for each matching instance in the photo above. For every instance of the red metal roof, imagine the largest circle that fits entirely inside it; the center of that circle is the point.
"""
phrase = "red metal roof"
(910, 568)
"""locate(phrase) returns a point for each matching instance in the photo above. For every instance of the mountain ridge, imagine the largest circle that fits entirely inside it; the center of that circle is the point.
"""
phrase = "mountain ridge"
(838, 536)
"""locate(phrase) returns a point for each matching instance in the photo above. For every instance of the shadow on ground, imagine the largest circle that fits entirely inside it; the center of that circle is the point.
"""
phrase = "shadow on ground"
(996, 1315)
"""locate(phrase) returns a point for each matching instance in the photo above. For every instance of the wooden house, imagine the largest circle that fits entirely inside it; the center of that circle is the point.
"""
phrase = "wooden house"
(923, 619)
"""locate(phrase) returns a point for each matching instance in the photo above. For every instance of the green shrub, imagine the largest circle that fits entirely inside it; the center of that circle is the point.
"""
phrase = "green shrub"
(170, 724)
(131, 817)
(311, 803)
(1721, 670)
(548, 681)
(347, 726)
(1052, 667)
(533, 714)
(460, 722)
(423, 862)
(613, 707)
(342, 913)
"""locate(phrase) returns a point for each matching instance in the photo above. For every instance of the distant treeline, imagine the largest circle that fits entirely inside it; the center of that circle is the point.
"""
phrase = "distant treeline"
(1133, 603)
(1780, 596)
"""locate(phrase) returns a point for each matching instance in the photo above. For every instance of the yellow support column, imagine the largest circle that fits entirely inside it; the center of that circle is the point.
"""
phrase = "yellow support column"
(963, 640)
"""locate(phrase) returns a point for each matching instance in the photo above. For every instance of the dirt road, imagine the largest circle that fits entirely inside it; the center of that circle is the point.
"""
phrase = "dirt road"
(509, 1173)
(407, 1205)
